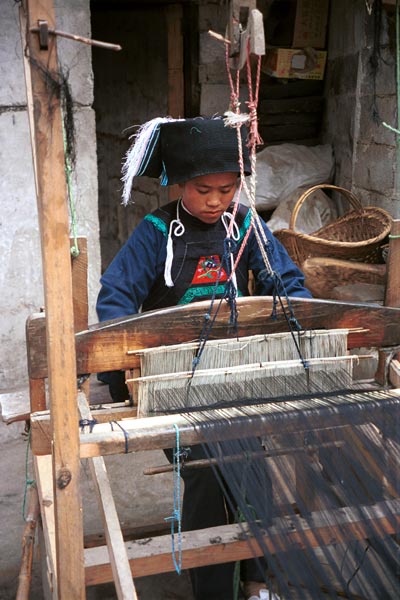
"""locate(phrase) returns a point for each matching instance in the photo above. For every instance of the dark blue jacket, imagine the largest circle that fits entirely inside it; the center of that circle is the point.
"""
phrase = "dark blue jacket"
(135, 278)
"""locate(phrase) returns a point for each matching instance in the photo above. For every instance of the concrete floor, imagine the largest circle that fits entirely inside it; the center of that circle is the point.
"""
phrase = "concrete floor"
(140, 500)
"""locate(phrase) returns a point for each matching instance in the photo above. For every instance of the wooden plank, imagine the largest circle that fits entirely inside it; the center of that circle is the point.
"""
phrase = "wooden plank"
(290, 132)
(117, 551)
(35, 337)
(292, 88)
(41, 427)
(153, 433)
(303, 105)
(284, 119)
(79, 267)
(44, 480)
(37, 394)
(325, 276)
(54, 230)
(106, 345)
(228, 543)
(130, 532)
(115, 543)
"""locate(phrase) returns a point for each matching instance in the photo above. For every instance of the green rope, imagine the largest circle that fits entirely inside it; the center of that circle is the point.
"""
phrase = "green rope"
(28, 482)
(72, 206)
(236, 580)
(394, 237)
(391, 128)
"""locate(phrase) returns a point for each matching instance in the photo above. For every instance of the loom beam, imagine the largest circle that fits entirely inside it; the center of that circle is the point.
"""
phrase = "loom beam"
(260, 420)
(229, 543)
(105, 347)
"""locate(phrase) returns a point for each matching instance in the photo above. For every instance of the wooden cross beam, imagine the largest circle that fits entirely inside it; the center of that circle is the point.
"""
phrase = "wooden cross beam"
(105, 346)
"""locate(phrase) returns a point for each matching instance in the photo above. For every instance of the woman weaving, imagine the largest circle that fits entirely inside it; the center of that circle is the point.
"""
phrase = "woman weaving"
(176, 256)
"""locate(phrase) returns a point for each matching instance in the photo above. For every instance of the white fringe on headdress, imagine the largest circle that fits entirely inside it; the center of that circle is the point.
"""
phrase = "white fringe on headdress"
(133, 163)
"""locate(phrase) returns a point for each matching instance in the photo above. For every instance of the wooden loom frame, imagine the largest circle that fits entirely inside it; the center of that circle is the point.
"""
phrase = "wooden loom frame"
(58, 449)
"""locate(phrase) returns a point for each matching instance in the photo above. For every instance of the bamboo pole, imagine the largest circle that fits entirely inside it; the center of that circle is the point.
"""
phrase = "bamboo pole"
(28, 540)
(54, 231)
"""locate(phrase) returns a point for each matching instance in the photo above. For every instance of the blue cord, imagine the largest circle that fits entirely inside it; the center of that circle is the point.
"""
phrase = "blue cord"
(176, 514)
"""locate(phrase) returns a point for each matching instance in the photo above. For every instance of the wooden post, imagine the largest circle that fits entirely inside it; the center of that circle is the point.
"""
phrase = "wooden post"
(123, 581)
(54, 231)
(392, 298)
(176, 100)
(392, 295)
(175, 61)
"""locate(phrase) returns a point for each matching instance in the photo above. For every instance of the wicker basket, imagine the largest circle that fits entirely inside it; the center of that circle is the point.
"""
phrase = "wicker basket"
(358, 235)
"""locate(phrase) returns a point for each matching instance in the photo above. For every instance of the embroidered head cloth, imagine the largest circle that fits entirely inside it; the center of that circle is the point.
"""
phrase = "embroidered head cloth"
(176, 150)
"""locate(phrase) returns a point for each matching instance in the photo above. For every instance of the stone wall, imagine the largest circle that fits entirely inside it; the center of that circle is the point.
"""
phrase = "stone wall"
(21, 267)
(214, 87)
(360, 94)
(130, 88)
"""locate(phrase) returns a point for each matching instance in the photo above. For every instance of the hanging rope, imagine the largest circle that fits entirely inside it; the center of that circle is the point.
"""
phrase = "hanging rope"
(176, 514)
(234, 118)
(71, 199)
(28, 481)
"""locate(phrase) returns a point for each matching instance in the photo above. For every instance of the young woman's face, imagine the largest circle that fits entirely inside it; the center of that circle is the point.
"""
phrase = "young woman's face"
(208, 196)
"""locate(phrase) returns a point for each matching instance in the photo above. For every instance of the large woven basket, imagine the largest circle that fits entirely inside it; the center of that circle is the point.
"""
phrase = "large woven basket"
(358, 235)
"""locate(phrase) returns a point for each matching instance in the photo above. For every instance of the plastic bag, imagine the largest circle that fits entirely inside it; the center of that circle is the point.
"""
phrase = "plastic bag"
(319, 210)
(284, 168)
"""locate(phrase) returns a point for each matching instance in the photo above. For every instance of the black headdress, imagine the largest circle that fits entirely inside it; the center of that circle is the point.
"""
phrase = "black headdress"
(177, 150)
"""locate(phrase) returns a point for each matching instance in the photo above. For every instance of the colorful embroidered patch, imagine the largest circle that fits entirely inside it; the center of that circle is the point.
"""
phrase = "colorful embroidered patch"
(208, 271)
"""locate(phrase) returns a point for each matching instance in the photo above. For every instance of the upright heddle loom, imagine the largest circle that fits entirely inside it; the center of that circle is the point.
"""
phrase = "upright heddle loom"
(304, 441)
(294, 428)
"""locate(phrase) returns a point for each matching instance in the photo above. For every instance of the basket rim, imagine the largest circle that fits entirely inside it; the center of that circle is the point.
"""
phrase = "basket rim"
(351, 198)
(336, 243)
(366, 211)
